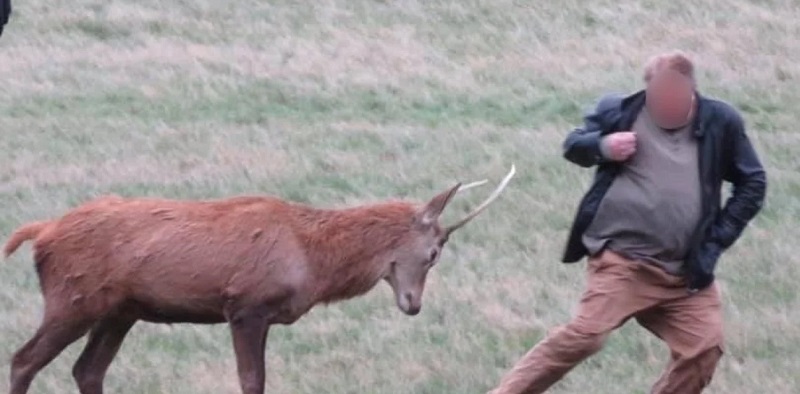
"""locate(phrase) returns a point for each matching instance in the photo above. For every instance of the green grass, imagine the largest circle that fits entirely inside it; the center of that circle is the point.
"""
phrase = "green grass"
(342, 102)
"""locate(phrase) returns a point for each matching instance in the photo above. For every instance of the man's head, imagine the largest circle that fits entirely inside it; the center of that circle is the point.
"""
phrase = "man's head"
(670, 89)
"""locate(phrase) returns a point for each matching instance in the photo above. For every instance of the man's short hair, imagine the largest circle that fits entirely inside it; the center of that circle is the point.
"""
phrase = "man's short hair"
(676, 61)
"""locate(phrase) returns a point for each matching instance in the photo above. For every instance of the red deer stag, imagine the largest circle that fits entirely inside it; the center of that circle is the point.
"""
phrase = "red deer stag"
(248, 261)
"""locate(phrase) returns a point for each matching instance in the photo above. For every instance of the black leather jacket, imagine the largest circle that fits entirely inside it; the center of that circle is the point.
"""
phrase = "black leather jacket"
(725, 154)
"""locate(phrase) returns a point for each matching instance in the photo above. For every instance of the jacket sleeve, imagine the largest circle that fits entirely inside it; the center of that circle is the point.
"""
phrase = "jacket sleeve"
(744, 171)
(582, 145)
(746, 174)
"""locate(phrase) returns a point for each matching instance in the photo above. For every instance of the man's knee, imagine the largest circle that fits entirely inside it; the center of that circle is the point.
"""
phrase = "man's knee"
(689, 375)
(707, 362)
(709, 345)
(573, 342)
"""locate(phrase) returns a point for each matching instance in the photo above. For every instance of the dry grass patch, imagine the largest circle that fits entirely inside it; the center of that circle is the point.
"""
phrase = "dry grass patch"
(342, 102)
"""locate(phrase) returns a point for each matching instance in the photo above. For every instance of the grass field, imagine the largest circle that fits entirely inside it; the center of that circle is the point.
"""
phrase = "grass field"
(342, 102)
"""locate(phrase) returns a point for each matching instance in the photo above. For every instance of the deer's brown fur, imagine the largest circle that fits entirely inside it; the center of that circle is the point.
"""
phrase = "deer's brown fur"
(249, 261)
(208, 257)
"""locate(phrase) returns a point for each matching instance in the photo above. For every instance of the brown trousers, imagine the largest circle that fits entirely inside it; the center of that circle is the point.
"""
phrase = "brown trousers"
(617, 290)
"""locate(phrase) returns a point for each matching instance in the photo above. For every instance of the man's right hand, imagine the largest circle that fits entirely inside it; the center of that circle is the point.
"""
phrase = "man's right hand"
(619, 146)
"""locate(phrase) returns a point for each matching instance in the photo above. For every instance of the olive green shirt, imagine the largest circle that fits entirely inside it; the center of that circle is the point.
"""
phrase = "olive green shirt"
(653, 206)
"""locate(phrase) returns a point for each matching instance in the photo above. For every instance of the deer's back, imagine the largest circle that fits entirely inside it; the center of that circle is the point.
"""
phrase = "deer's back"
(187, 255)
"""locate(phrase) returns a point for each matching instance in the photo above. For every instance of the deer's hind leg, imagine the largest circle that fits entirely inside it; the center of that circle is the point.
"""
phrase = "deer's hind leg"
(104, 342)
(68, 316)
(56, 333)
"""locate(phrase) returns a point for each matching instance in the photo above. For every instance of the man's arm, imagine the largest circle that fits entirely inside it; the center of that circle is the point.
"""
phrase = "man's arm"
(583, 145)
(749, 181)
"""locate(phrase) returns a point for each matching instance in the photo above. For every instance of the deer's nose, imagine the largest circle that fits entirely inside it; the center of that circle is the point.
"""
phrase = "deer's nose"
(412, 308)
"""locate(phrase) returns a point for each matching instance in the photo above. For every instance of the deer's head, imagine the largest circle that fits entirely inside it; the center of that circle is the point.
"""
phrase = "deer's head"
(414, 257)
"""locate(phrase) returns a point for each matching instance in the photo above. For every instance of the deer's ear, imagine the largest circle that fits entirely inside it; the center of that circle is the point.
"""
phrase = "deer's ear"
(429, 213)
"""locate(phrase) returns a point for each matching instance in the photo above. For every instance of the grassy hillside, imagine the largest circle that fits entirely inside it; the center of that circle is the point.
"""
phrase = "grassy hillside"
(350, 101)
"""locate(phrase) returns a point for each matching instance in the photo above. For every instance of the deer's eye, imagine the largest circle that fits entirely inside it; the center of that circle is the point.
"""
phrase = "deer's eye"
(434, 254)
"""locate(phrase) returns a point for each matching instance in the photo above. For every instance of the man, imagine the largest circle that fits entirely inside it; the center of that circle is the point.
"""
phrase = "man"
(652, 227)
(5, 13)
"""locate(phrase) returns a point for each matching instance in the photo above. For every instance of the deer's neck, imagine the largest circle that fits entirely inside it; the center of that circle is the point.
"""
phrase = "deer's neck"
(349, 250)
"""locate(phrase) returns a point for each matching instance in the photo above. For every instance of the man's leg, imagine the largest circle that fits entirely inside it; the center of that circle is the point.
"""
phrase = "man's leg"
(692, 328)
(609, 300)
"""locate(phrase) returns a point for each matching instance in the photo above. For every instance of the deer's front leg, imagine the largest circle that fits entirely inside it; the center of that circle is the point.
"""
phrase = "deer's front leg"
(249, 342)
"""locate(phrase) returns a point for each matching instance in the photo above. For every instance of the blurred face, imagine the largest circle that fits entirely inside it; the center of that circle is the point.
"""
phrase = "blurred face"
(670, 99)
